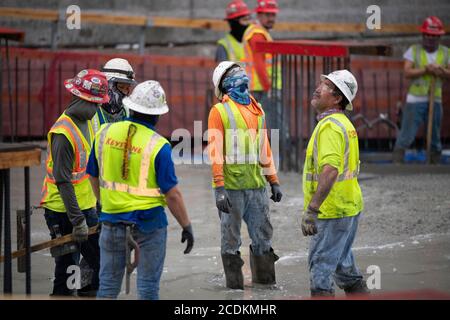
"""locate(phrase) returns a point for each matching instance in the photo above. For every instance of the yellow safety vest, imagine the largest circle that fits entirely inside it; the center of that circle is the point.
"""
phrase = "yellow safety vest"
(51, 199)
(255, 82)
(234, 48)
(140, 191)
(241, 168)
(345, 198)
(421, 86)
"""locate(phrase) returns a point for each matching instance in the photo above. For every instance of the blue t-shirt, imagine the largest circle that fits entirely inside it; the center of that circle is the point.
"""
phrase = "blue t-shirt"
(154, 218)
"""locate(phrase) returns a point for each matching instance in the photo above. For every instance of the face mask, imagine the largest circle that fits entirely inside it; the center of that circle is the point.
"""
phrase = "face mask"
(115, 99)
(235, 84)
(430, 44)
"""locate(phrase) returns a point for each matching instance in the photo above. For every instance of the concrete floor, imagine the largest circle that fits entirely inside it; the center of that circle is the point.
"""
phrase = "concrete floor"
(405, 231)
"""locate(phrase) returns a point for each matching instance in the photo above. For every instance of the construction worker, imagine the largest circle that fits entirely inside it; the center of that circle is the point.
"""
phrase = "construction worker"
(239, 150)
(333, 198)
(133, 175)
(230, 47)
(422, 63)
(259, 64)
(67, 195)
(120, 77)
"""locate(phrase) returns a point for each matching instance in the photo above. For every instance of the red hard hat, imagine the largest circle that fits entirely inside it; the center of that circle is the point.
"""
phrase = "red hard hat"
(90, 85)
(433, 25)
(236, 9)
(267, 6)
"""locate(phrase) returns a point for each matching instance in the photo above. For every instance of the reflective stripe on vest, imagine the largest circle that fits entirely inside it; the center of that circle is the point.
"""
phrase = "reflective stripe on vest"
(255, 82)
(79, 171)
(98, 119)
(236, 157)
(142, 189)
(346, 175)
(234, 49)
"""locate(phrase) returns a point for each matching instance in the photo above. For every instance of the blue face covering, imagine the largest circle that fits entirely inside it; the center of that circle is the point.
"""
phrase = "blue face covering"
(235, 85)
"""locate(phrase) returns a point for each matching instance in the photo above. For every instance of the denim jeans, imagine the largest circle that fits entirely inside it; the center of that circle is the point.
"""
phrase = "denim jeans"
(330, 255)
(152, 247)
(414, 114)
(252, 205)
(89, 250)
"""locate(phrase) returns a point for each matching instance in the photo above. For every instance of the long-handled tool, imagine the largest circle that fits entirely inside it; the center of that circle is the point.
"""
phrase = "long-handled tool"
(130, 244)
(430, 117)
(47, 244)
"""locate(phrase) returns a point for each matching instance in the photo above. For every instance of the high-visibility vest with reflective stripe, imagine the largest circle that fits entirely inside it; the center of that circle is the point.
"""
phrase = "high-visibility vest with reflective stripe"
(345, 198)
(421, 86)
(255, 82)
(140, 191)
(234, 48)
(51, 199)
(242, 147)
(100, 118)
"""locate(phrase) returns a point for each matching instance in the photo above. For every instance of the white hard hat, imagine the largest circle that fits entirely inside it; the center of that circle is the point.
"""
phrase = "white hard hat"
(119, 70)
(148, 97)
(346, 82)
(219, 71)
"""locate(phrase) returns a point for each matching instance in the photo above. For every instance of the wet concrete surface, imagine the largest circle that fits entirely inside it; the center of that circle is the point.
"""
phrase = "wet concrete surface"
(404, 230)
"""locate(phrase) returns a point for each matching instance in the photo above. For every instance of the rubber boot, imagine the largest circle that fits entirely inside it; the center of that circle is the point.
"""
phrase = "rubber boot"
(232, 265)
(398, 156)
(435, 157)
(263, 267)
(359, 287)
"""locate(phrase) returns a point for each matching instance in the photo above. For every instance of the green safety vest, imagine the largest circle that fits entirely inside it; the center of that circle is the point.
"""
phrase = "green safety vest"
(345, 198)
(421, 86)
(234, 48)
(51, 199)
(101, 117)
(241, 168)
(140, 191)
(255, 82)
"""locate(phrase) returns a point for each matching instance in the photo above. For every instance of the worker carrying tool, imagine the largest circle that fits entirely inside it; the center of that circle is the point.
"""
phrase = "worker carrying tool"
(240, 154)
(259, 64)
(230, 47)
(333, 198)
(121, 79)
(133, 176)
(423, 63)
(67, 195)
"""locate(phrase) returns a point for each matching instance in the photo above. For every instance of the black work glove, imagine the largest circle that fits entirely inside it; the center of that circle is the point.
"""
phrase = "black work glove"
(80, 232)
(188, 235)
(276, 192)
(223, 203)
(309, 222)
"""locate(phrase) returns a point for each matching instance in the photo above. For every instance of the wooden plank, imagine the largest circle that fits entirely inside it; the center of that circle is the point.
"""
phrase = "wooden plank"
(209, 24)
(15, 159)
(47, 244)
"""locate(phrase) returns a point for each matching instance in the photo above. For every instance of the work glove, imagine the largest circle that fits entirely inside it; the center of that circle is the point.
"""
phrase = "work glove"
(223, 203)
(309, 222)
(80, 232)
(276, 192)
(188, 235)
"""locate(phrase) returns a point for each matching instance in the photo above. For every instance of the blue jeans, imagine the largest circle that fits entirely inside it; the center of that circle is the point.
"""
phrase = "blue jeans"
(252, 205)
(414, 114)
(330, 255)
(152, 248)
(89, 249)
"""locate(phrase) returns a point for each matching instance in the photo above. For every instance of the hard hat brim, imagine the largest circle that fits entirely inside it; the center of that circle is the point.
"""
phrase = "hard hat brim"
(122, 80)
(267, 10)
(141, 109)
(68, 84)
(434, 33)
(349, 106)
(217, 92)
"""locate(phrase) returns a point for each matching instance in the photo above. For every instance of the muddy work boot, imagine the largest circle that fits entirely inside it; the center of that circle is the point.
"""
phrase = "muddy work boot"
(322, 294)
(263, 267)
(398, 156)
(232, 265)
(359, 287)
